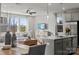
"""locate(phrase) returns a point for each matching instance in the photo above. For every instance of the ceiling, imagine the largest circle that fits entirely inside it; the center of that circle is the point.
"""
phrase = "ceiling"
(40, 8)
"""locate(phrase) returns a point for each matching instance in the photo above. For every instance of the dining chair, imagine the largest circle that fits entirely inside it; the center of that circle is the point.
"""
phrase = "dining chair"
(37, 50)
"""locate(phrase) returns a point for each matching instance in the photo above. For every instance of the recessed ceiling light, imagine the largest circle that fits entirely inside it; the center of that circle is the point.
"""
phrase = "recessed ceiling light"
(63, 8)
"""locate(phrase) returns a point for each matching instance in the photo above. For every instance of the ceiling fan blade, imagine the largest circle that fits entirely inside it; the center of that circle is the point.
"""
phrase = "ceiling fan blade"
(33, 12)
(27, 11)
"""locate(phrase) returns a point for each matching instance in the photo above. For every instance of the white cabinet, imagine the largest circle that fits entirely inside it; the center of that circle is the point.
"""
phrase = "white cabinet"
(67, 16)
(73, 27)
(72, 23)
(74, 16)
(3, 24)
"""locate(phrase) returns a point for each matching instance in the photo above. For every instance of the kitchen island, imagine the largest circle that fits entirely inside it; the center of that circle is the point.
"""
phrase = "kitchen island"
(60, 45)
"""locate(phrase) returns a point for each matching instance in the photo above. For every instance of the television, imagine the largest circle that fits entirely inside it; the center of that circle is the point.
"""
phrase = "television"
(42, 26)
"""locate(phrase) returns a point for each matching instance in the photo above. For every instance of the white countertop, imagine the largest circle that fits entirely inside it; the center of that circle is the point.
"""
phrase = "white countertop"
(21, 38)
(57, 37)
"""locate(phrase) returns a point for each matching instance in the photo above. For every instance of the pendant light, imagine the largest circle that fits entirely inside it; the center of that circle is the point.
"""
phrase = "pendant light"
(47, 12)
(48, 4)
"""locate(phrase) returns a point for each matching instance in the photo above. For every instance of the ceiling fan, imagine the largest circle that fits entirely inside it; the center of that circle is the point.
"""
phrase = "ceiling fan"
(29, 11)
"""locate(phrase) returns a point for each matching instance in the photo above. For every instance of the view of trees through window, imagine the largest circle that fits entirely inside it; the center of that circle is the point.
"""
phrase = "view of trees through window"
(18, 24)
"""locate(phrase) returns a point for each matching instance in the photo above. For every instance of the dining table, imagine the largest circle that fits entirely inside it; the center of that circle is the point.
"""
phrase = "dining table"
(14, 51)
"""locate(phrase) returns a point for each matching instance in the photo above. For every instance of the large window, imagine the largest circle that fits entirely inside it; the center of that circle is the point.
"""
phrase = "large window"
(18, 24)
(23, 24)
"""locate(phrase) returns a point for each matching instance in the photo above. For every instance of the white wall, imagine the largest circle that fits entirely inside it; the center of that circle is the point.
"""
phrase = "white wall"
(32, 25)
(34, 20)
(51, 21)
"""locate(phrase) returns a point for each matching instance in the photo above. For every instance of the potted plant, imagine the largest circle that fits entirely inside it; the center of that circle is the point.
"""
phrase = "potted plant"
(67, 30)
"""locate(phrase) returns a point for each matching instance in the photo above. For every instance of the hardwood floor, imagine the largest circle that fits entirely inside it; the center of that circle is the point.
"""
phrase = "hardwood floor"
(77, 53)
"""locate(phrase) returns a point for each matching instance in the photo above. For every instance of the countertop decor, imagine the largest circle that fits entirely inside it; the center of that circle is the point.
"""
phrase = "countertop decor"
(67, 31)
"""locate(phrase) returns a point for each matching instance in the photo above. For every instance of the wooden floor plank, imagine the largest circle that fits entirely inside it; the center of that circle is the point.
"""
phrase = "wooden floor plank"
(77, 52)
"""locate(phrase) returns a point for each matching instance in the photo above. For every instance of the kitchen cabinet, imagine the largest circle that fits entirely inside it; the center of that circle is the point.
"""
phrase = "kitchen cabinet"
(58, 50)
(72, 16)
(67, 46)
(60, 45)
(67, 16)
(75, 16)
(74, 26)
(74, 44)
